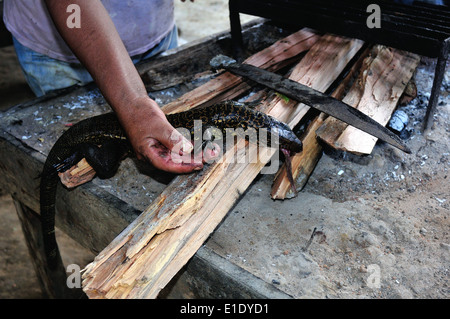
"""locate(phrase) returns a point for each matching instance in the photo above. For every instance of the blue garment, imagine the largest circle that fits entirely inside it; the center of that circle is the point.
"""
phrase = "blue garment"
(45, 74)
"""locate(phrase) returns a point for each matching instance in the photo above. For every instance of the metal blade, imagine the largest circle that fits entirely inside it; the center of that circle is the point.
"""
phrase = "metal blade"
(312, 98)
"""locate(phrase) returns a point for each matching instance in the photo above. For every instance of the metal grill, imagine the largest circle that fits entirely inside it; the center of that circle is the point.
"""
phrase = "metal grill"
(419, 28)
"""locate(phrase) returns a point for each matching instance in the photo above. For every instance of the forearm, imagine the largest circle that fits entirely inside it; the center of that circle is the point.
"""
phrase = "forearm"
(99, 48)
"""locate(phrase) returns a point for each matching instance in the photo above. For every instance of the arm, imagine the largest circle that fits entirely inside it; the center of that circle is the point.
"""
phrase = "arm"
(99, 48)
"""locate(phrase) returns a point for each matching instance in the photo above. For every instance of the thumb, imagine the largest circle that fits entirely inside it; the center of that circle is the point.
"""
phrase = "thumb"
(171, 138)
(178, 143)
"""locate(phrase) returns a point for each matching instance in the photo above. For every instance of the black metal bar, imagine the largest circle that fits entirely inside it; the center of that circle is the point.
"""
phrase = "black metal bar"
(331, 10)
(417, 9)
(424, 42)
(401, 15)
(437, 82)
(357, 12)
(236, 30)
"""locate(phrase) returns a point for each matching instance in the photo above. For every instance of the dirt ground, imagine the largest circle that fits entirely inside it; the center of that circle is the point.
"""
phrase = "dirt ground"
(387, 211)
(384, 215)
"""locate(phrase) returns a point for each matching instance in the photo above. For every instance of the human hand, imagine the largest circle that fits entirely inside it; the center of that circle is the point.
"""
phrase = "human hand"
(154, 139)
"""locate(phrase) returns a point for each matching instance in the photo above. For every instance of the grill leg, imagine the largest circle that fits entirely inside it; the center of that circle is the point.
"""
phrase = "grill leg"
(236, 31)
(436, 90)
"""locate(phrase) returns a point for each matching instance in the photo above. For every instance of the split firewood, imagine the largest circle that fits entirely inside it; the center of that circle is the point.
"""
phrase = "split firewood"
(303, 163)
(152, 249)
(78, 174)
(376, 92)
(272, 58)
(410, 92)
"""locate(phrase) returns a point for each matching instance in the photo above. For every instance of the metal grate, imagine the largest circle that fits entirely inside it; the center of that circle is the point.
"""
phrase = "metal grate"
(419, 28)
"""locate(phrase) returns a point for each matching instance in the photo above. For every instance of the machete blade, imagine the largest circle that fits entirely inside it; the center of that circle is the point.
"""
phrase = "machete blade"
(312, 98)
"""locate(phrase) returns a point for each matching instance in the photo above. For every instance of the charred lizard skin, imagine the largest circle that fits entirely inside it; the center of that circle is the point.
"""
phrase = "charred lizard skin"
(83, 139)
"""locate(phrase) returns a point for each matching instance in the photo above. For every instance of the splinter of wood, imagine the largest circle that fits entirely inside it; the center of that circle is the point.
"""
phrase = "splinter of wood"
(77, 175)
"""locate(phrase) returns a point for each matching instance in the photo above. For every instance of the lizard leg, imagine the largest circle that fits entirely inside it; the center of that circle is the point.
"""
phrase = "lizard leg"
(104, 159)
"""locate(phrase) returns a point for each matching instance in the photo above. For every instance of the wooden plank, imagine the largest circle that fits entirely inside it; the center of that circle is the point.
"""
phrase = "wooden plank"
(328, 56)
(20, 168)
(208, 270)
(183, 64)
(159, 235)
(380, 84)
(146, 255)
(269, 58)
(52, 282)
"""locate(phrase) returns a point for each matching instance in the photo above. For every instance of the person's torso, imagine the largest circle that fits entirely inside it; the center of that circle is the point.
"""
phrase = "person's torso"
(141, 24)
